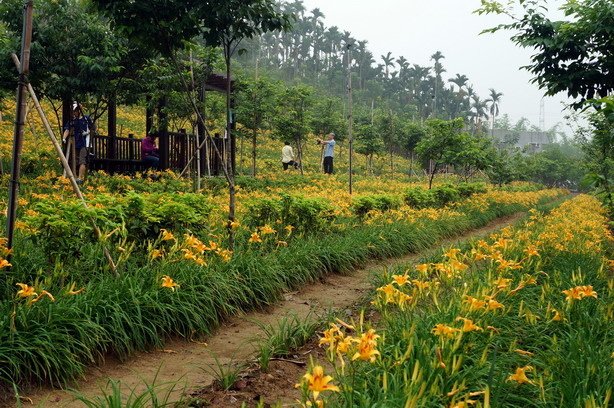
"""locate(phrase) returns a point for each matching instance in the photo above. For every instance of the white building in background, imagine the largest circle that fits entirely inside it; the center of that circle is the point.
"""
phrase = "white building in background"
(528, 141)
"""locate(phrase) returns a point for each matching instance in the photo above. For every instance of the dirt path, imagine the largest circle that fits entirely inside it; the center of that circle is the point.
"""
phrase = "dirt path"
(188, 364)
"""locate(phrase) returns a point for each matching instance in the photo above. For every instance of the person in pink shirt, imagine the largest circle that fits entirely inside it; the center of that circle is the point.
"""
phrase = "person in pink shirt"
(149, 152)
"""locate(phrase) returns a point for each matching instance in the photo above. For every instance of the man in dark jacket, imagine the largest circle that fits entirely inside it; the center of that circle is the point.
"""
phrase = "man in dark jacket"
(80, 126)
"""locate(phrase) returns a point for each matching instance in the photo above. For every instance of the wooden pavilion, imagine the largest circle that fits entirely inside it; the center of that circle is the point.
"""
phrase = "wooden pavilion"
(114, 154)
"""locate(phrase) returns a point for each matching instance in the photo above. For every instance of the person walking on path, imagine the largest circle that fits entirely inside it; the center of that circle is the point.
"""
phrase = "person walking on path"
(287, 156)
(329, 152)
(80, 126)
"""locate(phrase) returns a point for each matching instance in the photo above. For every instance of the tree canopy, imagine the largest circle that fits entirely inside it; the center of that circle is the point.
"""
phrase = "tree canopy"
(573, 55)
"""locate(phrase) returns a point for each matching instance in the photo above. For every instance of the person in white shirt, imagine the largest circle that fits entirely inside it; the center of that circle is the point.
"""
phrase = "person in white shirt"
(287, 156)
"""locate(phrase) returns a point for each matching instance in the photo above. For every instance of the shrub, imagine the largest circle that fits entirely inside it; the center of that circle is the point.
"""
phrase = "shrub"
(380, 202)
(469, 189)
(419, 197)
(62, 228)
(304, 214)
(445, 194)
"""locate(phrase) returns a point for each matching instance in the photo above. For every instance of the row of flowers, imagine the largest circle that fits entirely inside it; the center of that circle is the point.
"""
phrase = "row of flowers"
(471, 326)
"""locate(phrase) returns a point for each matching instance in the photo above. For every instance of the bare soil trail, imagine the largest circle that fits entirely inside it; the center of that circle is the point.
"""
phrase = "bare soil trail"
(188, 364)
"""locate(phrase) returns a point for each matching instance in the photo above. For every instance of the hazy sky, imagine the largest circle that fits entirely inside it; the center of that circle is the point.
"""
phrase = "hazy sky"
(416, 29)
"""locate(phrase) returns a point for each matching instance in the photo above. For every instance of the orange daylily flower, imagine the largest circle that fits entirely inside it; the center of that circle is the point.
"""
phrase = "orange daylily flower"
(422, 268)
(400, 279)
(167, 235)
(468, 325)
(255, 238)
(317, 382)
(442, 330)
(267, 230)
(168, 282)
(473, 303)
(520, 375)
(367, 347)
(579, 292)
(25, 291)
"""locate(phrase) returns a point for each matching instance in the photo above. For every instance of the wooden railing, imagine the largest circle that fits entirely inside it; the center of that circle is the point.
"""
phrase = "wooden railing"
(123, 154)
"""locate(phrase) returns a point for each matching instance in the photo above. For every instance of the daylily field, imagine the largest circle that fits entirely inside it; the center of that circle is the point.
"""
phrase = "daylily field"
(521, 318)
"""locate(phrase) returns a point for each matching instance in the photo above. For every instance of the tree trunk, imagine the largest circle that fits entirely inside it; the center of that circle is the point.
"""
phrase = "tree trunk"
(254, 152)
(231, 172)
(432, 176)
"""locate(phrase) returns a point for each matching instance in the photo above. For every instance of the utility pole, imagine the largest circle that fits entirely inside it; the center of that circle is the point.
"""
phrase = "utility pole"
(20, 118)
(350, 119)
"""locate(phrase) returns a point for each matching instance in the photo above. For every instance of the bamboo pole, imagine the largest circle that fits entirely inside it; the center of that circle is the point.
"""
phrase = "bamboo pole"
(20, 116)
(68, 171)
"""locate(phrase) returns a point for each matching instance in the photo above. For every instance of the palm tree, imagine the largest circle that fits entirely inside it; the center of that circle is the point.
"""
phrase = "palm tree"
(459, 80)
(479, 109)
(388, 62)
(494, 100)
(438, 68)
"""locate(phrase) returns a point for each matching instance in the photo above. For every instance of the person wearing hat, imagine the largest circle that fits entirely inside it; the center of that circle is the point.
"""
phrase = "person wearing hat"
(329, 146)
(80, 126)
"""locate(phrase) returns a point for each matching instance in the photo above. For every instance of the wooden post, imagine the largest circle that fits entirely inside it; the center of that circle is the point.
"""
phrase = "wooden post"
(66, 112)
(112, 126)
(131, 147)
(67, 170)
(149, 114)
(200, 126)
(163, 134)
(26, 39)
(183, 148)
(350, 118)
(232, 135)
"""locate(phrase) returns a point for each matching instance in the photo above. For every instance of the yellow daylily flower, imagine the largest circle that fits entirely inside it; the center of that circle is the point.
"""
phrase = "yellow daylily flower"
(330, 336)
(156, 253)
(468, 325)
(451, 254)
(579, 292)
(167, 235)
(4, 263)
(493, 305)
(213, 246)
(531, 250)
(473, 303)
(557, 316)
(400, 279)
(343, 346)
(421, 285)
(422, 268)
(168, 282)
(317, 382)
(389, 292)
(442, 330)
(255, 238)
(520, 375)
(225, 254)
(502, 282)
(267, 230)
(25, 291)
